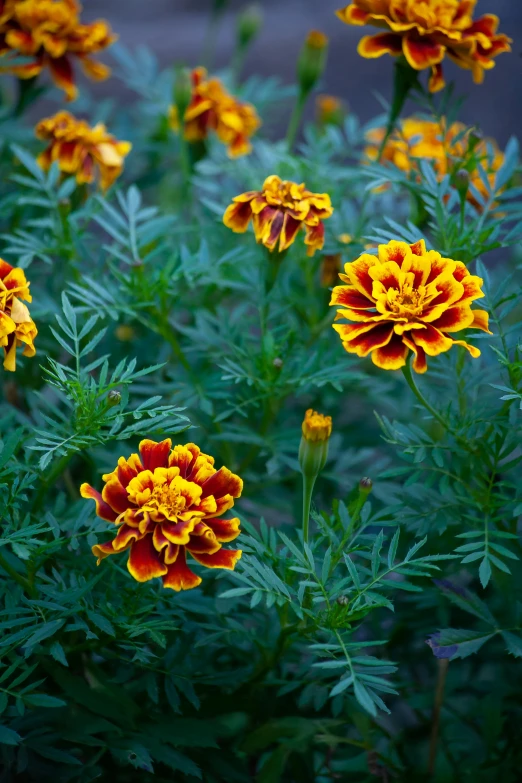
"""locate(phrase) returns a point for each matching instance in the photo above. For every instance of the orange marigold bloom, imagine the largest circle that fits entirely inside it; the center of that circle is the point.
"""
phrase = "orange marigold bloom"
(278, 211)
(406, 298)
(212, 108)
(50, 31)
(16, 325)
(316, 426)
(449, 149)
(167, 502)
(81, 150)
(424, 31)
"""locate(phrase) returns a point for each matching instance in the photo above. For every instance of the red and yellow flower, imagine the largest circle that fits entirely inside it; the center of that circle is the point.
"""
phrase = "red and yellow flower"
(166, 502)
(81, 150)
(51, 34)
(278, 212)
(212, 108)
(449, 149)
(424, 31)
(16, 325)
(404, 299)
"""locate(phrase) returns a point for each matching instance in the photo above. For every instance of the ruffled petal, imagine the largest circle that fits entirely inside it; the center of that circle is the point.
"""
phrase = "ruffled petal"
(179, 576)
(155, 455)
(431, 340)
(225, 529)
(372, 46)
(225, 558)
(144, 561)
(480, 321)
(115, 495)
(422, 52)
(223, 482)
(454, 319)
(391, 356)
(103, 510)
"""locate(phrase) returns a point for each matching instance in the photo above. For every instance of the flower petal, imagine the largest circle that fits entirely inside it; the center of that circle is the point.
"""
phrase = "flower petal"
(372, 46)
(155, 455)
(358, 274)
(391, 356)
(365, 342)
(115, 495)
(420, 364)
(223, 482)
(225, 529)
(225, 558)
(422, 52)
(454, 319)
(349, 297)
(431, 340)
(179, 576)
(144, 562)
(179, 532)
(203, 540)
(103, 510)
(237, 217)
(480, 321)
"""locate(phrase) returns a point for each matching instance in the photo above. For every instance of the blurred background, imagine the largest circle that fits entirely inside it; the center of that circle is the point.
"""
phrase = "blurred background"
(175, 30)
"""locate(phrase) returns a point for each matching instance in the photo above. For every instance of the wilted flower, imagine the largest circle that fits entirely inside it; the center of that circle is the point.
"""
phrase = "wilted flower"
(212, 108)
(450, 150)
(51, 34)
(406, 298)
(167, 502)
(16, 325)
(424, 32)
(278, 211)
(81, 150)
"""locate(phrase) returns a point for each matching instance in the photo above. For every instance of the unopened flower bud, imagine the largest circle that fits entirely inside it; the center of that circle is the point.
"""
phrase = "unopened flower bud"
(461, 181)
(343, 600)
(365, 485)
(278, 362)
(249, 24)
(330, 110)
(312, 60)
(113, 398)
(313, 450)
(125, 333)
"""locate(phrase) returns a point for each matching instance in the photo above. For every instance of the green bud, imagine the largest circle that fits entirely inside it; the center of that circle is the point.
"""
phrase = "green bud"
(249, 24)
(312, 60)
(461, 182)
(113, 398)
(365, 486)
(313, 450)
(278, 362)
(343, 600)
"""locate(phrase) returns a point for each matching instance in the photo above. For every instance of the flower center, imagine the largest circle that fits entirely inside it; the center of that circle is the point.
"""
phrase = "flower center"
(167, 500)
(407, 303)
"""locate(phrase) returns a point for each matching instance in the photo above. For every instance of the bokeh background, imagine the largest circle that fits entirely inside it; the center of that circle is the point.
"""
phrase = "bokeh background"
(175, 30)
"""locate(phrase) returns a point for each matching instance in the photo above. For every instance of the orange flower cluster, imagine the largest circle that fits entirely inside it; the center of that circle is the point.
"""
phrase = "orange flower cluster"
(81, 150)
(212, 108)
(166, 502)
(425, 31)
(406, 299)
(278, 212)
(16, 325)
(51, 34)
(450, 149)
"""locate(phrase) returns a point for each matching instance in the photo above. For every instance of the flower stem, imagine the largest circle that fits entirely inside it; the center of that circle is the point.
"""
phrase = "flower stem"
(406, 371)
(404, 80)
(308, 489)
(295, 119)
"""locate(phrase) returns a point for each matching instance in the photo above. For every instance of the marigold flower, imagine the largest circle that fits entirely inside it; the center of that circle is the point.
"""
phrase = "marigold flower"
(81, 150)
(278, 211)
(16, 325)
(50, 31)
(449, 149)
(212, 108)
(167, 502)
(406, 298)
(316, 426)
(424, 31)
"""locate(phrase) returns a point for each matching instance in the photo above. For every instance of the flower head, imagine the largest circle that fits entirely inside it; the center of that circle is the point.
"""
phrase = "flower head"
(166, 502)
(406, 298)
(16, 325)
(316, 426)
(330, 110)
(424, 31)
(81, 150)
(51, 34)
(278, 211)
(212, 108)
(450, 149)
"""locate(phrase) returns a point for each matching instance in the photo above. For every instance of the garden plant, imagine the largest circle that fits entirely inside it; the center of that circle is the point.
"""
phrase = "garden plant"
(260, 445)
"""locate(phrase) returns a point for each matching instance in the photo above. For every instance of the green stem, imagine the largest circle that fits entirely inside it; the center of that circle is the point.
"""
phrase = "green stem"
(406, 371)
(404, 79)
(295, 119)
(308, 489)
